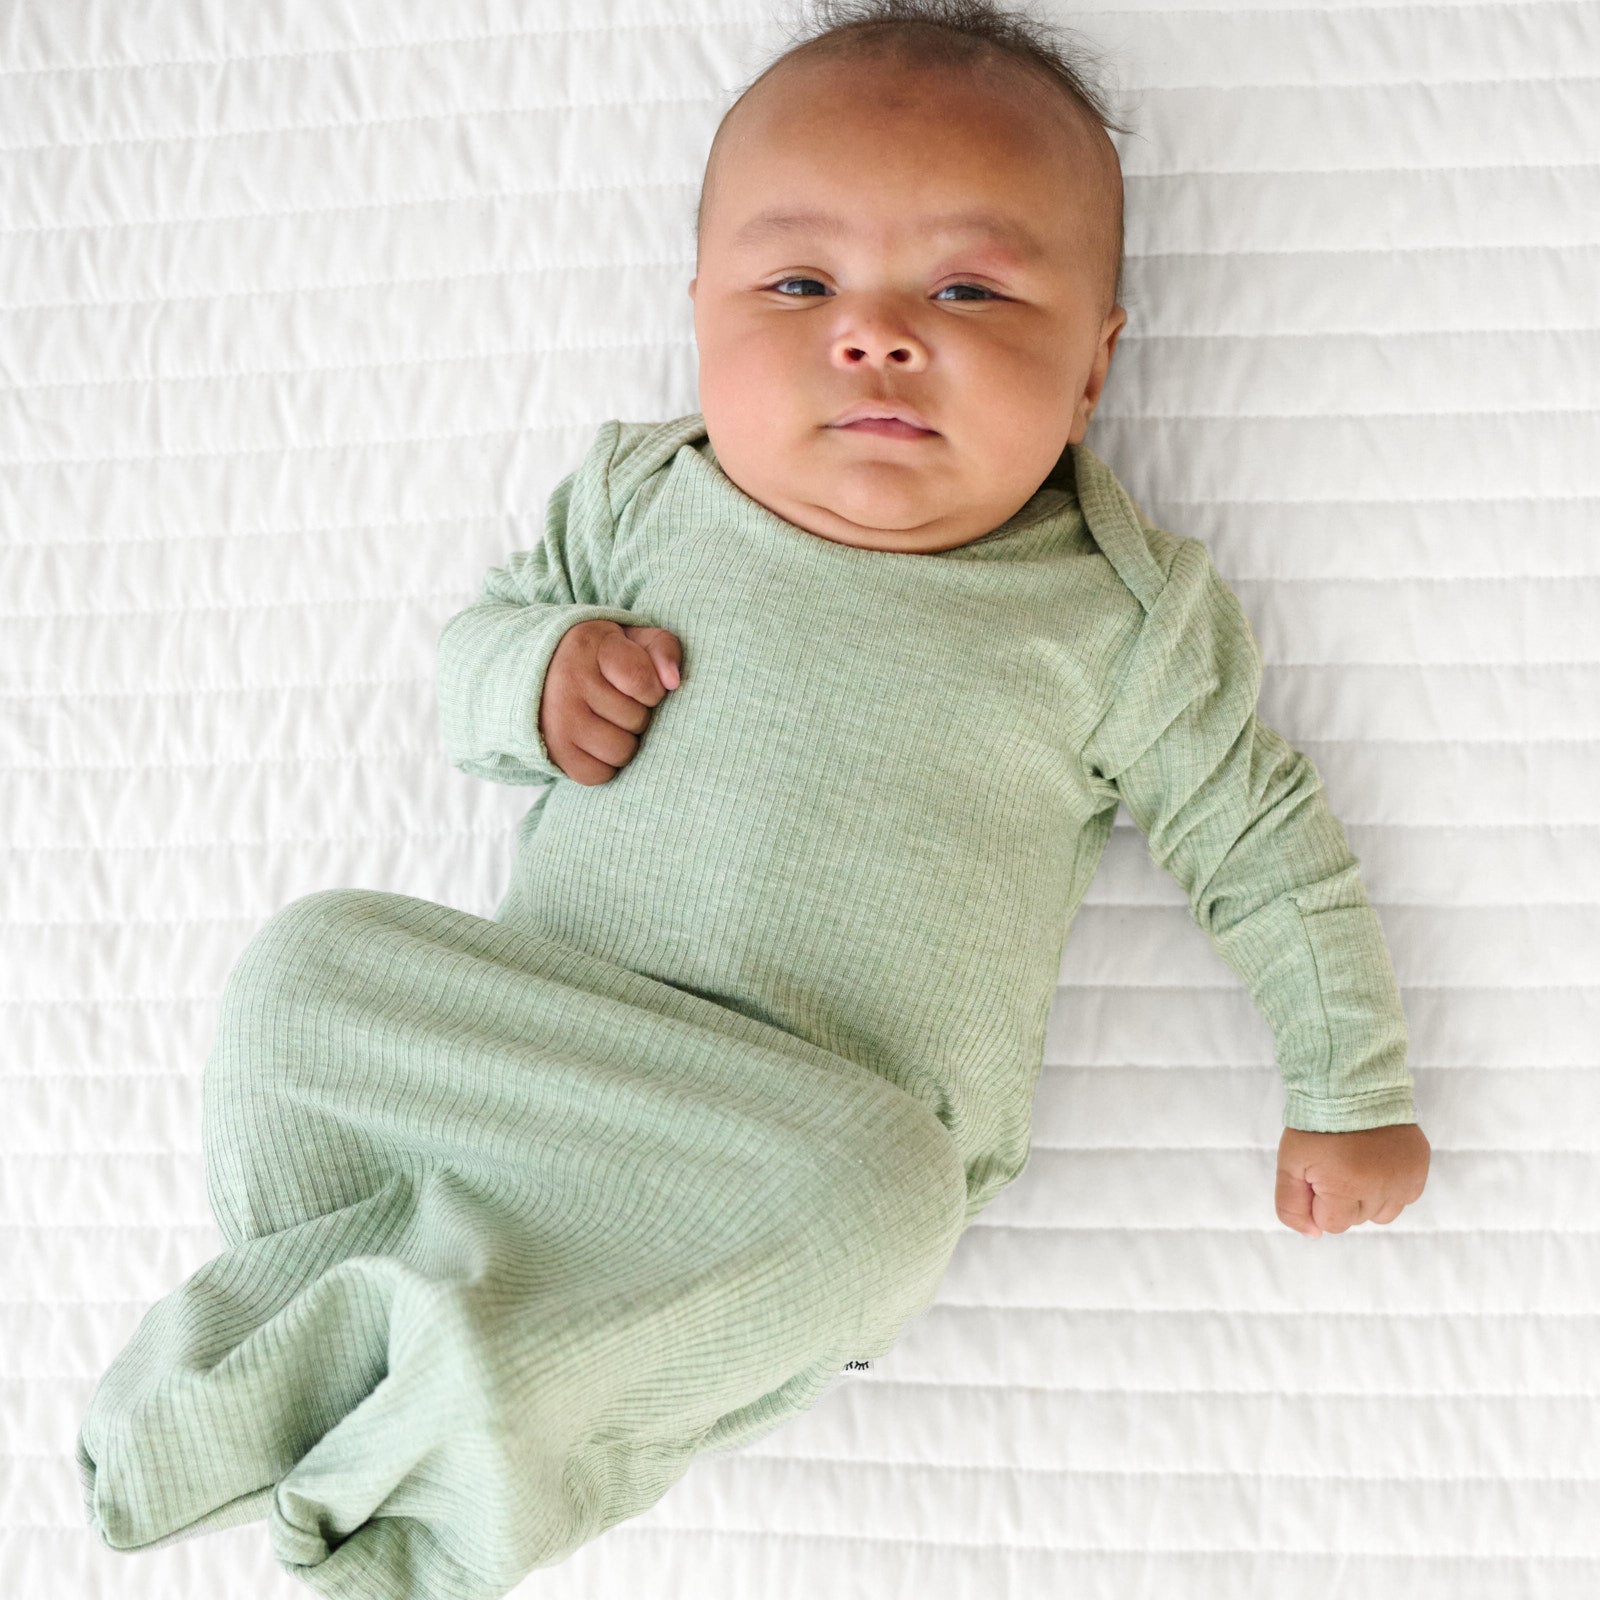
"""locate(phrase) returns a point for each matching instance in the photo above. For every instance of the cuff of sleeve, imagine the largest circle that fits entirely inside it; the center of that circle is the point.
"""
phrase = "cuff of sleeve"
(1381, 1108)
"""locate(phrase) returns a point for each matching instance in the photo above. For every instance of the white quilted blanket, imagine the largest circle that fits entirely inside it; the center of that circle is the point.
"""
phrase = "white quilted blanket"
(303, 312)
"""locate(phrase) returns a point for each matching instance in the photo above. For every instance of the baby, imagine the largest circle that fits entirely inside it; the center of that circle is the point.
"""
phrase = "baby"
(929, 651)
(524, 1213)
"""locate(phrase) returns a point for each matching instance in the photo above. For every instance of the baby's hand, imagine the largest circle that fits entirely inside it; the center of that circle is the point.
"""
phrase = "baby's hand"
(599, 689)
(1328, 1182)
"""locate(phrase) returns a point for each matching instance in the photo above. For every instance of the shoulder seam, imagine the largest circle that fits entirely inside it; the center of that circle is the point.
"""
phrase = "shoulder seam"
(641, 448)
(1119, 527)
(611, 456)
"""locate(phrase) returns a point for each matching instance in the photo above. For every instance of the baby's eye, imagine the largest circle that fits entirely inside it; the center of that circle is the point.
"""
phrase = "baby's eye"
(778, 286)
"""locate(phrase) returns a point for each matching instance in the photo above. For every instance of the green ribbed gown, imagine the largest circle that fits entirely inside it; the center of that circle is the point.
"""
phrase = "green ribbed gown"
(523, 1213)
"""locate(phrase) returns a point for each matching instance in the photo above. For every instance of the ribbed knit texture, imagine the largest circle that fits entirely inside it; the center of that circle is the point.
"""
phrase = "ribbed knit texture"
(871, 809)
(524, 1212)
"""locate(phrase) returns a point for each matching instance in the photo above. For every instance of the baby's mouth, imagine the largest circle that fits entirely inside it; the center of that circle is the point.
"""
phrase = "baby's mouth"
(886, 427)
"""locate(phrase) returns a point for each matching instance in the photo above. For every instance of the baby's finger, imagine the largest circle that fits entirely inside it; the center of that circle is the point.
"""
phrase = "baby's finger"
(582, 767)
(1293, 1202)
(627, 665)
(603, 698)
(1335, 1215)
(602, 739)
(664, 651)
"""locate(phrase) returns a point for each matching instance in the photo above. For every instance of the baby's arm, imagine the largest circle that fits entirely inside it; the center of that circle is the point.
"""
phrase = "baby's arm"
(493, 656)
(1240, 819)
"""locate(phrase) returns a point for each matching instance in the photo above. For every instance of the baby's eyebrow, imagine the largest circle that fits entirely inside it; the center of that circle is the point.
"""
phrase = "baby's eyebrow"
(1011, 235)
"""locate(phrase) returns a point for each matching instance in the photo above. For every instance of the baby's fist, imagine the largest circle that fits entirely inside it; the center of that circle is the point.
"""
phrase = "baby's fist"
(1328, 1182)
(600, 687)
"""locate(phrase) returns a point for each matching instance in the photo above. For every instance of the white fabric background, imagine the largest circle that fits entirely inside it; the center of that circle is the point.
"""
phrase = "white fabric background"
(303, 312)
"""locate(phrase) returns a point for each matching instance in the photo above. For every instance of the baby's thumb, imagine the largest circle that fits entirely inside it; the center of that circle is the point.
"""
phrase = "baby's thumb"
(1293, 1201)
(663, 649)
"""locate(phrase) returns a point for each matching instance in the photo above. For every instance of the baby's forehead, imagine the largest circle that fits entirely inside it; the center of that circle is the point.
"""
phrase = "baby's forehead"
(1057, 180)
(963, 215)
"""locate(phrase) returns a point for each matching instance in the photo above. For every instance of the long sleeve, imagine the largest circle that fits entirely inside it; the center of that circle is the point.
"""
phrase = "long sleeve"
(493, 656)
(1239, 818)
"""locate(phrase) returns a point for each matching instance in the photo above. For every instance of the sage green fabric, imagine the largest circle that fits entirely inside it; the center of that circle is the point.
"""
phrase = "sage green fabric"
(523, 1213)
(870, 811)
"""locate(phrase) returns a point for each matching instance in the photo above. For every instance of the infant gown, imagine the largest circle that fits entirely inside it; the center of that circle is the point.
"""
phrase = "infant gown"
(523, 1213)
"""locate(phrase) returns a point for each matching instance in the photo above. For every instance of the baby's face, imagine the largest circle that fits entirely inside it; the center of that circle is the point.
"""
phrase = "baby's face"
(1000, 342)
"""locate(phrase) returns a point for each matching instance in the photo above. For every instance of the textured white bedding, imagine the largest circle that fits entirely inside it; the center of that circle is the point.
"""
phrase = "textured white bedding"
(303, 312)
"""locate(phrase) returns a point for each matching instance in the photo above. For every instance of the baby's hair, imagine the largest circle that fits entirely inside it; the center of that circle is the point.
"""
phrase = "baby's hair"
(945, 33)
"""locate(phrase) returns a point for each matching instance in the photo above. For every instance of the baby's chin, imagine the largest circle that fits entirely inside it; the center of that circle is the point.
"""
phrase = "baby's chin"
(872, 501)
(878, 517)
